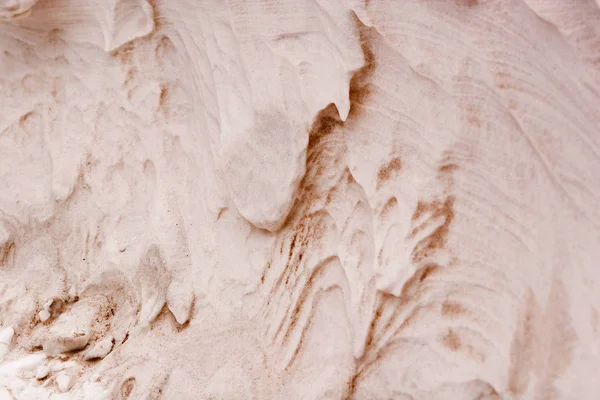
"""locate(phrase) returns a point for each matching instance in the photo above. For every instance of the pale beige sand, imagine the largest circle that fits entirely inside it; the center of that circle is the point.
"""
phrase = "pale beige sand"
(299, 199)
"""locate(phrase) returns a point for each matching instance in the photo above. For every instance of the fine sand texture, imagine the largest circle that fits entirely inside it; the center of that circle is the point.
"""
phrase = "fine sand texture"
(300, 199)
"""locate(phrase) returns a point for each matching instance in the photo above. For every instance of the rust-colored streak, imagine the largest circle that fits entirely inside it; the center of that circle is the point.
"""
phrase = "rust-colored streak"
(388, 171)
(162, 100)
(428, 270)
(301, 342)
(387, 208)
(419, 210)
(447, 168)
(360, 90)
(306, 232)
(562, 336)
(523, 347)
(306, 290)
(6, 254)
(324, 124)
(264, 273)
(437, 239)
(473, 112)
(127, 388)
(451, 340)
(124, 53)
(164, 46)
(374, 321)
(467, 3)
(450, 308)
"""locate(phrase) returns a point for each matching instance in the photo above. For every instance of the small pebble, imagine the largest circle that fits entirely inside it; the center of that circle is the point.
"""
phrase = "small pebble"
(6, 336)
(48, 304)
(72, 293)
(64, 382)
(42, 372)
(100, 350)
(44, 315)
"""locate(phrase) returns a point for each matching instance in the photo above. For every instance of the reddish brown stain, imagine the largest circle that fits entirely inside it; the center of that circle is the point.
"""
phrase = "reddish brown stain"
(129, 76)
(323, 141)
(437, 239)
(413, 287)
(450, 308)
(419, 210)
(164, 46)
(25, 117)
(127, 388)
(319, 146)
(561, 338)
(467, 3)
(523, 347)
(448, 168)
(306, 232)
(310, 319)
(429, 270)
(351, 387)
(473, 112)
(374, 321)
(380, 256)
(264, 273)
(302, 300)
(162, 100)
(324, 124)
(387, 208)
(7, 254)
(125, 52)
(388, 171)
(54, 36)
(221, 212)
(158, 25)
(451, 340)
(293, 244)
(360, 89)
(395, 305)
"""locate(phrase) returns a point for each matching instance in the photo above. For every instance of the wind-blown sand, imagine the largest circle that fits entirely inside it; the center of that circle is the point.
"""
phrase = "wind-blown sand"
(320, 199)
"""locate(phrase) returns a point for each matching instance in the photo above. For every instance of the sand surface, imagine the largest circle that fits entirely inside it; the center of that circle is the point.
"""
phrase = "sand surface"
(300, 199)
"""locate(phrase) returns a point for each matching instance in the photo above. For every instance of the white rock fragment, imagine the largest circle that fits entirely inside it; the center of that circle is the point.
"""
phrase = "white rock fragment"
(6, 336)
(48, 304)
(19, 365)
(101, 349)
(72, 293)
(71, 331)
(44, 315)
(61, 366)
(63, 382)
(42, 372)
(62, 343)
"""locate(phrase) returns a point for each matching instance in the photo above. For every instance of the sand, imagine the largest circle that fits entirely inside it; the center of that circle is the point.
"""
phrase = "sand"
(320, 199)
